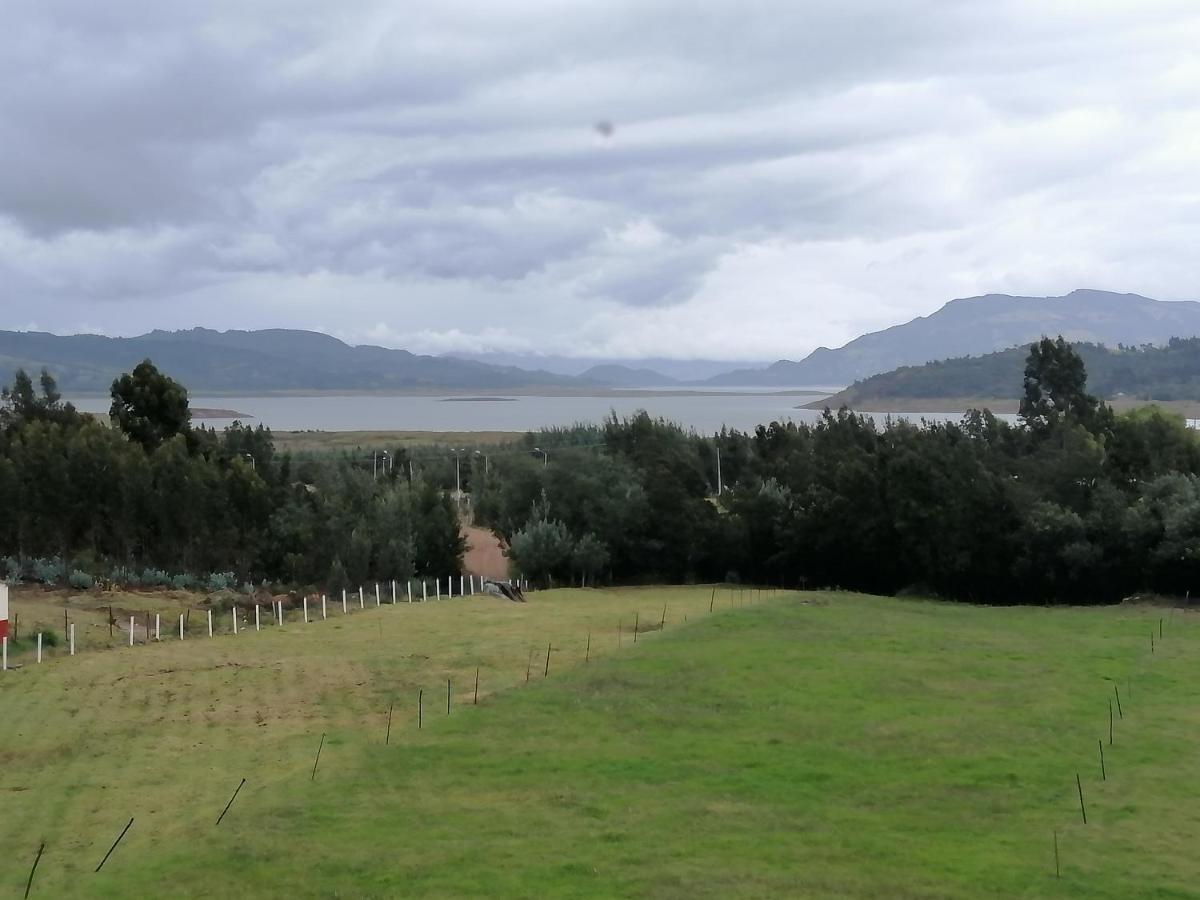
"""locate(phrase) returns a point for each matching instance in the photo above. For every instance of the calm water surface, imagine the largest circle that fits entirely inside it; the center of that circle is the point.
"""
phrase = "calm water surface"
(705, 413)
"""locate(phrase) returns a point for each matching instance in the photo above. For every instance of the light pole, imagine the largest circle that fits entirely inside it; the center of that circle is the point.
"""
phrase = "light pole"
(457, 471)
(545, 456)
(375, 454)
(486, 470)
(253, 463)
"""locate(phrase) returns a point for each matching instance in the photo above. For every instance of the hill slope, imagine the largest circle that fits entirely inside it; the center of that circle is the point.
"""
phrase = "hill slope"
(1171, 372)
(825, 745)
(977, 325)
(252, 361)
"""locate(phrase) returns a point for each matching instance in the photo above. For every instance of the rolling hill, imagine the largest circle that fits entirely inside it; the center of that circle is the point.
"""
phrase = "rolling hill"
(1166, 373)
(625, 376)
(784, 745)
(980, 325)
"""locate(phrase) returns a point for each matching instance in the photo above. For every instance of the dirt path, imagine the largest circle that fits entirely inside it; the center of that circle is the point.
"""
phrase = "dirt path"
(485, 555)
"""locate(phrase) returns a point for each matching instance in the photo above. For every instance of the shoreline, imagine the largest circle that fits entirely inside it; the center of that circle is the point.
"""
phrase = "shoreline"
(476, 392)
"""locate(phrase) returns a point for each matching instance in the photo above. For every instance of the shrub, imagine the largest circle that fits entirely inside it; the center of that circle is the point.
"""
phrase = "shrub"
(80, 580)
(48, 571)
(49, 638)
(220, 581)
(154, 578)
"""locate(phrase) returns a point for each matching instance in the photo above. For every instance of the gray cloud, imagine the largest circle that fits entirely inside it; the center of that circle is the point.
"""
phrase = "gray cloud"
(776, 175)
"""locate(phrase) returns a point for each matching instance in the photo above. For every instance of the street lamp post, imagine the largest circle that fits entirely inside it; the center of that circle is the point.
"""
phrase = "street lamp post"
(545, 456)
(375, 454)
(457, 471)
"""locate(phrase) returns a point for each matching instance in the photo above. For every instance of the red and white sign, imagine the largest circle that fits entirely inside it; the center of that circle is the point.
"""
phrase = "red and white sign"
(3, 610)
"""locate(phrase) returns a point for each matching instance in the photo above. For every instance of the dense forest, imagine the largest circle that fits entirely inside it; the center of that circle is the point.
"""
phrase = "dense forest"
(1169, 372)
(1074, 504)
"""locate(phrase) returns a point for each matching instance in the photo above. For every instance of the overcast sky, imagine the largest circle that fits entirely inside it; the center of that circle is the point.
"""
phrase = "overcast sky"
(735, 181)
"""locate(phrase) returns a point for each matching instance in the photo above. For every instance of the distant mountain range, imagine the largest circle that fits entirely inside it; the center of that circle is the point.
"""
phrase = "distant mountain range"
(664, 371)
(978, 325)
(207, 361)
(625, 376)
(280, 360)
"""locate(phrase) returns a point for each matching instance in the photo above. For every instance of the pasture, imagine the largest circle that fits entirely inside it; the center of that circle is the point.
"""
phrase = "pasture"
(817, 744)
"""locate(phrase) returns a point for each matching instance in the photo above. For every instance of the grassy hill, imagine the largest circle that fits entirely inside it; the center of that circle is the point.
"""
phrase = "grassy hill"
(796, 745)
(1166, 373)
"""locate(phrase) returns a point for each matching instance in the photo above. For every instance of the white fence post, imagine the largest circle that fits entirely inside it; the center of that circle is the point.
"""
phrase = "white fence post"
(461, 582)
(279, 613)
(39, 646)
(437, 586)
(305, 610)
(343, 600)
(257, 617)
(158, 626)
(235, 618)
(377, 593)
(409, 585)
(131, 631)
(210, 623)
(361, 603)
(71, 637)
(393, 592)
(324, 608)
(424, 592)
(181, 626)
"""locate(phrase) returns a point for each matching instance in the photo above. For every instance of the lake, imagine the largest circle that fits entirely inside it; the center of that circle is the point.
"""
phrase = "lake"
(706, 413)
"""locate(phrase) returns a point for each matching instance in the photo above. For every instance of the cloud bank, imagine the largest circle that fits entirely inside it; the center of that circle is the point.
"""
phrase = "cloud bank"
(727, 181)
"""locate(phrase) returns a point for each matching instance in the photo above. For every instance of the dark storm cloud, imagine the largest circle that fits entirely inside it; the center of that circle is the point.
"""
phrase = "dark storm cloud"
(614, 173)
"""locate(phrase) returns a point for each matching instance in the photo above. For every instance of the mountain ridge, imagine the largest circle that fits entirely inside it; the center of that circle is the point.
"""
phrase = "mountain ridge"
(987, 323)
(270, 360)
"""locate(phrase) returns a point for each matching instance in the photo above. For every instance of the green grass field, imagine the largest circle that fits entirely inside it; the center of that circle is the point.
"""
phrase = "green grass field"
(823, 745)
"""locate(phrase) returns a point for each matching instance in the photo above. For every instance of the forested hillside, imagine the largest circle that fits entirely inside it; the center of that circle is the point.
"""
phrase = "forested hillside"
(1170, 372)
(1073, 504)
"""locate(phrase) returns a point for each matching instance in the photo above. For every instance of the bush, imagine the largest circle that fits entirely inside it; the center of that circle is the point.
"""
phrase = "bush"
(220, 581)
(12, 570)
(49, 638)
(48, 571)
(154, 578)
(80, 580)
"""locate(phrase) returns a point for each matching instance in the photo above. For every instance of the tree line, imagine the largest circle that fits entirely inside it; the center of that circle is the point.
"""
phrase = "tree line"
(1072, 503)
(151, 499)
